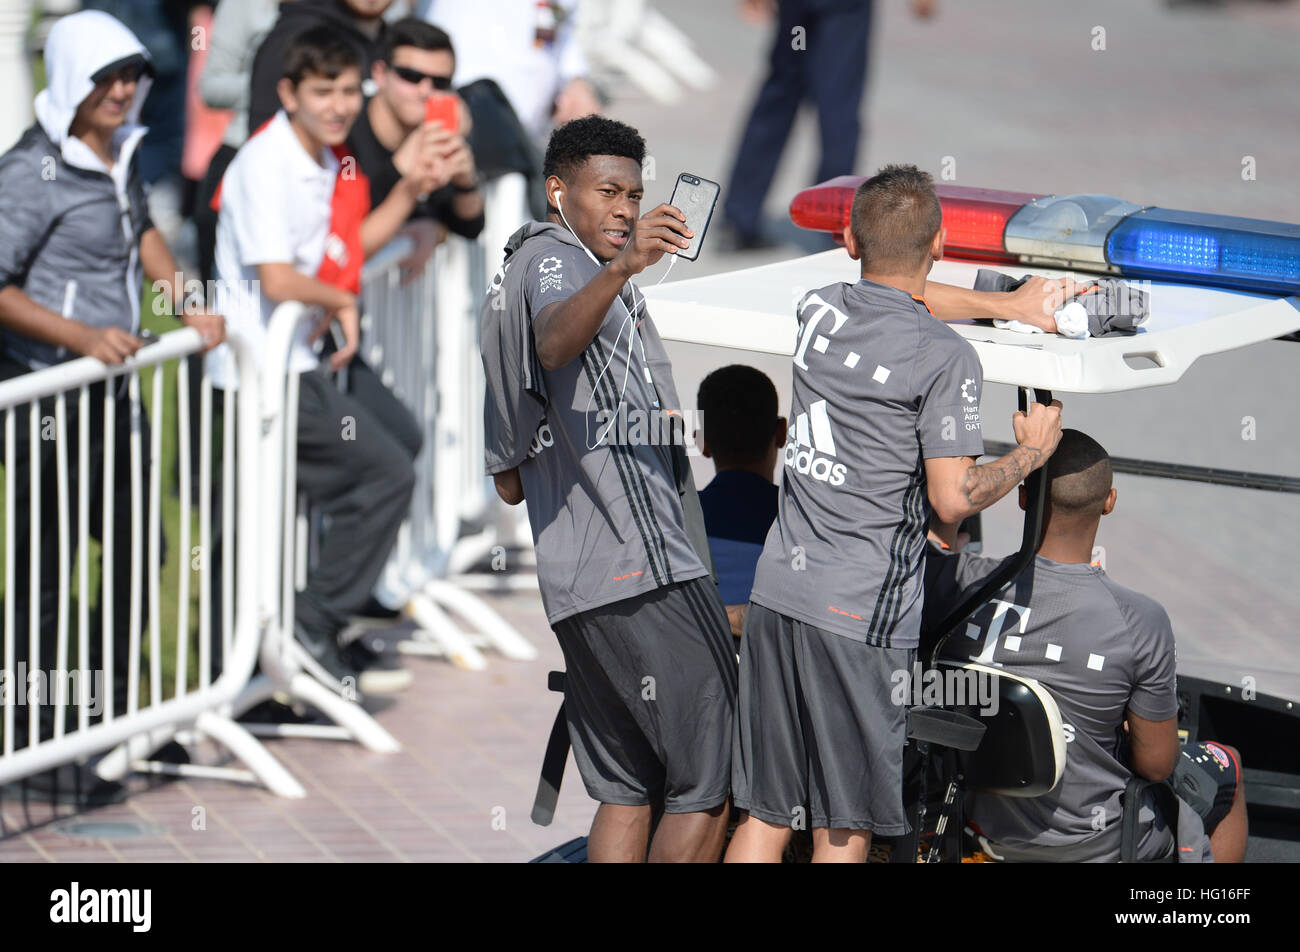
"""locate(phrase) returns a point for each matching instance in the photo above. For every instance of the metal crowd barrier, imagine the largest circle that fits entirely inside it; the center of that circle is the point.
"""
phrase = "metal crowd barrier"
(64, 405)
(271, 490)
(421, 337)
(282, 670)
(503, 527)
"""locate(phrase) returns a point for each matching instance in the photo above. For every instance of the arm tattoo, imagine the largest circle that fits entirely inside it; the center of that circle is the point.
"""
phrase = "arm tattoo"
(986, 484)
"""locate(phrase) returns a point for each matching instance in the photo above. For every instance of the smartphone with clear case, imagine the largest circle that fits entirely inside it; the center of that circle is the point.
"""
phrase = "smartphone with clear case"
(695, 198)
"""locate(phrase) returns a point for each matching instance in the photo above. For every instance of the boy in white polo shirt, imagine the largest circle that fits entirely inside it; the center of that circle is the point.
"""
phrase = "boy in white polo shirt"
(291, 219)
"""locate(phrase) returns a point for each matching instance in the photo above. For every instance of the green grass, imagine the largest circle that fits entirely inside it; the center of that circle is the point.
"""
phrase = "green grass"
(175, 561)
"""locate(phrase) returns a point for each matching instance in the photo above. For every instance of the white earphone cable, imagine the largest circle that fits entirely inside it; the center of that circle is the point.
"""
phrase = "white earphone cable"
(628, 322)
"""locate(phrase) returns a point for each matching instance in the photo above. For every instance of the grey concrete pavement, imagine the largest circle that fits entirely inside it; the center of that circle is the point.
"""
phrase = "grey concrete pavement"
(1014, 93)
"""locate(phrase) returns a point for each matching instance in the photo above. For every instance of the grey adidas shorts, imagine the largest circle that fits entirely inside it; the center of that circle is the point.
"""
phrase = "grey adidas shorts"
(816, 730)
(649, 695)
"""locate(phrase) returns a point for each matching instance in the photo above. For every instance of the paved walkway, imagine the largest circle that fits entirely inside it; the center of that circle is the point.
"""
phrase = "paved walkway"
(461, 789)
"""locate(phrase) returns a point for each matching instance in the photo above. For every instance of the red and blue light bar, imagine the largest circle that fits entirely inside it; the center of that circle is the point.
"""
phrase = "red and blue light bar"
(1097, 233)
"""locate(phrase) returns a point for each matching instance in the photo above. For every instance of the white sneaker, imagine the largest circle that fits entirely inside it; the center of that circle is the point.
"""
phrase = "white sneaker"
(378, 681)
(379, 674)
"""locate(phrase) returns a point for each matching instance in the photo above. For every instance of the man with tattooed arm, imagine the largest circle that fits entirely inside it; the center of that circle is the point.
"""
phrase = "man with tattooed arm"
(884, 429)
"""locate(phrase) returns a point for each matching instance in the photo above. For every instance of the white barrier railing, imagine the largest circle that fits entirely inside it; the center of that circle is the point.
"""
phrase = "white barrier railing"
(196, 703)
(505, 526)
(271, 490)
(421, 337)
(282, 669)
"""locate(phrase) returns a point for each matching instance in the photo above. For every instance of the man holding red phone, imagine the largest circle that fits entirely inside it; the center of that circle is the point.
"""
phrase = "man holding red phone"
(414, 120)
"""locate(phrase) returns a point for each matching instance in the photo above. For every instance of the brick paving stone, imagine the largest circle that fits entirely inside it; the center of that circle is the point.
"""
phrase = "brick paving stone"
(152, 856)
(217, 855)
(437, 856)
(472, 741)
(19, 854)
(88, 859)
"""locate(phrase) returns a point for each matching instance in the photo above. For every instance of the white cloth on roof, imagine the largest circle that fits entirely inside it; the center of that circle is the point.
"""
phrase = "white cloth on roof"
(1071, 321)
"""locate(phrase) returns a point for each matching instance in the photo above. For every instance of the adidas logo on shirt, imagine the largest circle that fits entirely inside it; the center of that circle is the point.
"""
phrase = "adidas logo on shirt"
(812, 436)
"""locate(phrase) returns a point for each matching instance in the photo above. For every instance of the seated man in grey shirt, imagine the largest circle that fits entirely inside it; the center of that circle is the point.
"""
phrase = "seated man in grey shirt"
(1106, 654)
(583, 424)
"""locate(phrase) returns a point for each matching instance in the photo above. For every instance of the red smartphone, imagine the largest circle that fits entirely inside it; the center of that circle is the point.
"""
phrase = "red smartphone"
(443, 108)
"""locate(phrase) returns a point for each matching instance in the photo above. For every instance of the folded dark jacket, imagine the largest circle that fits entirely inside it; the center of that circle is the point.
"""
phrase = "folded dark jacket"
(1113, 306)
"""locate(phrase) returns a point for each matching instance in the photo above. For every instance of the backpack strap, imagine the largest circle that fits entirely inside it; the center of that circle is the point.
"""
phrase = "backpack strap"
(1166, 804)
(557, 753)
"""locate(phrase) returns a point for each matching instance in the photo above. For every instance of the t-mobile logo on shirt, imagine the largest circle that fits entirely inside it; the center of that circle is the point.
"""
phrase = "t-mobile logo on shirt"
(810, 437)
(809, 333)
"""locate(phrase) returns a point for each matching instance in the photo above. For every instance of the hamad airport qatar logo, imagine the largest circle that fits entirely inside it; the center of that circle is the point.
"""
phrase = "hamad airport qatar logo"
(549, 269)
(968, 389)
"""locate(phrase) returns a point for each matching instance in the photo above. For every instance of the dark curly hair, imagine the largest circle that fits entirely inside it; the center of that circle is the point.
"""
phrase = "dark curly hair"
(578, 140)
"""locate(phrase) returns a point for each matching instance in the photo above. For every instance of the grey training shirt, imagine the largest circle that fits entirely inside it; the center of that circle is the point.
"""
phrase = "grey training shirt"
(1100, 649)
(880, 385)
(599, 481)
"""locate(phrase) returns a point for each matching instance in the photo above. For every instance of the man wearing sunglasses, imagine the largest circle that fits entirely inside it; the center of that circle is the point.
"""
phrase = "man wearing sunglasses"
(392, 137)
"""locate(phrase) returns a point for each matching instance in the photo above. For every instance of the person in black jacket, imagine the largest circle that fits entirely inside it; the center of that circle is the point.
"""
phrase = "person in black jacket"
(360, 20)
(415, 60)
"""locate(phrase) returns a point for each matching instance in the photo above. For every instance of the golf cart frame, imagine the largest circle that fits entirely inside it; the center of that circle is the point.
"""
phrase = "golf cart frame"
(746, 310)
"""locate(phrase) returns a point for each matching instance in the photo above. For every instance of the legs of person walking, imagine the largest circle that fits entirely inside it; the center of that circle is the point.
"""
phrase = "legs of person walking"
(769, 124)
(619, 834)
(837, 79)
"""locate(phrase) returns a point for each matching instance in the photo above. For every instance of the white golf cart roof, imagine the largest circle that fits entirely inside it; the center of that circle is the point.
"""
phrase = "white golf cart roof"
(753, 310)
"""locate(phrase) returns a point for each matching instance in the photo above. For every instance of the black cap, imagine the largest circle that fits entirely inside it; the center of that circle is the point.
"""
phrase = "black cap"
(135, 59)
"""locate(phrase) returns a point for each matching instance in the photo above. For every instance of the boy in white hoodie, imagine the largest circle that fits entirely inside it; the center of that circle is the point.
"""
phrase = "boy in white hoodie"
(74, 241)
